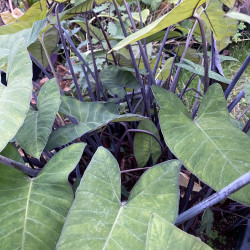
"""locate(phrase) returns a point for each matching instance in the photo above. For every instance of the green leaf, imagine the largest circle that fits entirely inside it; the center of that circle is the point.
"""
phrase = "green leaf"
(199, 70)
(191, 54)
(7, 42)
(36, 12)
(154, 4)
(146, 145)
(164, 235)
(160, 35)
(207, 221)
(228, 3)
(90, 115)
(15, 98)
(238, 16)
(94, 31)
(34, 133)
(222, 58)
(10, 151)
(210, 147)
(223, 27)
(98, 219)
(239, 125)
(182, 11)
(32, 211)
(247, 92)
(82, 6)
(163, 74)
(144, 15)
(50, 38)
(115, 80)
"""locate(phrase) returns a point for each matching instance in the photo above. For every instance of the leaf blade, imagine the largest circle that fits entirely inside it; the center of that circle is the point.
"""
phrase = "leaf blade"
(35, 131)
(33, 212)
(101, 218)
(224, 149)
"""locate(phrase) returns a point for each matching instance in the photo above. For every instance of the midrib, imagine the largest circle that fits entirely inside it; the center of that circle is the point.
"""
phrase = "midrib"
(112, 229)
(26, 214)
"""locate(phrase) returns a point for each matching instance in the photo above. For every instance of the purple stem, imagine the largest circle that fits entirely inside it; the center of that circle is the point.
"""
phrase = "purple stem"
(67, 57)
(134, 62)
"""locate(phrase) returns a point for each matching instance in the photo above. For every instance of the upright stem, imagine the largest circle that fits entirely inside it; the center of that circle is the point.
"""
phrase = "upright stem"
(83, 66)
(237, 76)
(205, 57)
(144, 57)
(134, 63)
(161, 50)
(67, 56)
(215, 198)
(178, 71)
(235, 101)
(106, 38)
(162, 46)
(139, 11)
(98, 85)
(50, 64)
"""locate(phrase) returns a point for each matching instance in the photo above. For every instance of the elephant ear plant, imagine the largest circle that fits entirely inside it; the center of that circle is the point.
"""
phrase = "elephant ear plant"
(98, 164)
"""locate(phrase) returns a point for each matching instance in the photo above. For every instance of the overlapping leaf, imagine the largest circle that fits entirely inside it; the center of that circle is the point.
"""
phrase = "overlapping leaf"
(7, 42)
(210, 147)
(223, 27)
(34, 133)
(15, 98)
(199, 70)
(182, 11)
(115, 80)
(36, 12)
(146, 145)
(32, 211)
(164, 235)
(50, 39)
(84, 6)
(98, 219)
(90, 115)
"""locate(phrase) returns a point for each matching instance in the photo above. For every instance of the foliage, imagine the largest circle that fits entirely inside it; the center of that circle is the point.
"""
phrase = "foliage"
(116, 82)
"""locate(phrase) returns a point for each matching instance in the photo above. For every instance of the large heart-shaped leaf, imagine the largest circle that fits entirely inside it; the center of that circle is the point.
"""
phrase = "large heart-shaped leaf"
(35, 131)
(32, 211)
(98, 219)
(115, 80)
(182, 11)
(90, 115)
(146, 145)
(210, 147)
(164, 235)
(15, 98)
